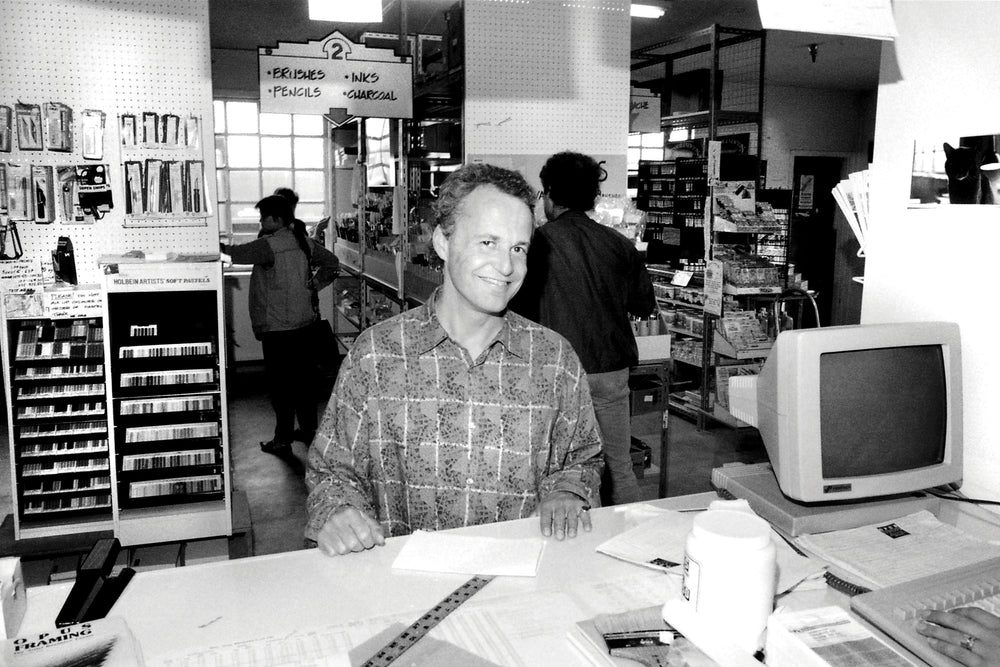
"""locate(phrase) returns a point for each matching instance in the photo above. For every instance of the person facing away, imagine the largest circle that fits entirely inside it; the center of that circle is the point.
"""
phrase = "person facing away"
(584, 280)
(458, 412)
(288, 271)
(318, 231)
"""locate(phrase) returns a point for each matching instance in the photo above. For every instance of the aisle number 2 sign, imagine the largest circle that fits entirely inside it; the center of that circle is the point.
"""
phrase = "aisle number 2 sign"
(336, 76)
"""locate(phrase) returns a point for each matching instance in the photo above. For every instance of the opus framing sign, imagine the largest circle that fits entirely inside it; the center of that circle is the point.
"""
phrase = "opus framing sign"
(334, 73)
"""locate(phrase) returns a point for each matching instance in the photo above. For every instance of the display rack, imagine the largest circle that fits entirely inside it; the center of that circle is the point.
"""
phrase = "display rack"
(711, 90)
(57, 419)
(167, 390)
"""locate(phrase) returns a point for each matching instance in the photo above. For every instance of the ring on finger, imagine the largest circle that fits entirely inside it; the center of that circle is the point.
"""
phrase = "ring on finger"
(968, 642)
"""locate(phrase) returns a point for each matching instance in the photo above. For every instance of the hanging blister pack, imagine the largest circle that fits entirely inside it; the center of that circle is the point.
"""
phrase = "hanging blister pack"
(58, 120)
(6, 128)
(42, 193)
(29, 126)
(94, 189)
(19, 204)
(92, 133)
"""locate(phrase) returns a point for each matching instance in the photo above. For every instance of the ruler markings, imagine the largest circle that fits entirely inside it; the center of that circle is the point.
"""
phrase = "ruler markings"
(420, 627)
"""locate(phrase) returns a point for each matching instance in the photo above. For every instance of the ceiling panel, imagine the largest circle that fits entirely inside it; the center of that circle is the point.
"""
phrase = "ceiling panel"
(841, 62)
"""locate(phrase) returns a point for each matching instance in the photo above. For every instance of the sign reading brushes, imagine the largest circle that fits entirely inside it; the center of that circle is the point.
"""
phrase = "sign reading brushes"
(335, 76)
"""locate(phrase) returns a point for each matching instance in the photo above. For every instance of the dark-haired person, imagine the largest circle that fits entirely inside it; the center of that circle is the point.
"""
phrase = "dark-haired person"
(288, 270)
(584, 280)
(458, 412)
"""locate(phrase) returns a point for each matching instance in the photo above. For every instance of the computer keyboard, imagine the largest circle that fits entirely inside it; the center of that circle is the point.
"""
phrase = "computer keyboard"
(895, 609)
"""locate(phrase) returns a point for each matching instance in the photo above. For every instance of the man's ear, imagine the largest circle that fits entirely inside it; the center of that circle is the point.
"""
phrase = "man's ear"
(440, 243)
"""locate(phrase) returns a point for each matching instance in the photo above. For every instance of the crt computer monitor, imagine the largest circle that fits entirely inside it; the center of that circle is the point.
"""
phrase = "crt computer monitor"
(858, 412)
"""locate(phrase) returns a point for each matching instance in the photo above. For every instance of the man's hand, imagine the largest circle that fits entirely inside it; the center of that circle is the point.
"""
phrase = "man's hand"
(349, 530)
(559, 513)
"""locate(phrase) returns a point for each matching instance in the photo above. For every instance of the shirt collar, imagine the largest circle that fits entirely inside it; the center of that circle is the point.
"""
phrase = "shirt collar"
(429, 333)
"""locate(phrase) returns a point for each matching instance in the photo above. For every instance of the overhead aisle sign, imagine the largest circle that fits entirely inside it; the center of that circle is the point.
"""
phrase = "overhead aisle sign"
(335, 76)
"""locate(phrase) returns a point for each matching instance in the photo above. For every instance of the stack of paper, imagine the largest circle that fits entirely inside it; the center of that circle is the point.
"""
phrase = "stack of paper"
(899, 550)
(658, 543)
(825, 637)
(852, 197)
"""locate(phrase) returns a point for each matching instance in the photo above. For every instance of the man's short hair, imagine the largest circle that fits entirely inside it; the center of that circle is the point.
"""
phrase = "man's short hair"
(572, 180)
(464, 180)
(288, 194)
(276, 206)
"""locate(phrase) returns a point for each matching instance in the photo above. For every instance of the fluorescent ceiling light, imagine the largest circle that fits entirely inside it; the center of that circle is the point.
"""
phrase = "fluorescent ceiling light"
(642, 11)
(346, 11)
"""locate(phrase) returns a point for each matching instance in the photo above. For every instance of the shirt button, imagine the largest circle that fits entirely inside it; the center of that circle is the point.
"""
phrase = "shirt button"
(472, 426)
(469, 481)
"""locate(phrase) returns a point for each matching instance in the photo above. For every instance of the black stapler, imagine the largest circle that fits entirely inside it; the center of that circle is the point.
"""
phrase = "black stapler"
(95, 590)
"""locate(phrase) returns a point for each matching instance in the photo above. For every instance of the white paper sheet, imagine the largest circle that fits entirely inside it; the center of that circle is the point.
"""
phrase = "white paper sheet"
(462, 554)
(900, 550)
(856, 18)
(658, 543)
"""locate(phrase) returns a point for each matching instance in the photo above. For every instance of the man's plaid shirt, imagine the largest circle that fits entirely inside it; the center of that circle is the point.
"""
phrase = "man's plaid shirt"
(420, 436)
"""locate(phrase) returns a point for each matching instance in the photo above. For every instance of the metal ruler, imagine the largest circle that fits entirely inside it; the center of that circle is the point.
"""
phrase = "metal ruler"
(420, 627)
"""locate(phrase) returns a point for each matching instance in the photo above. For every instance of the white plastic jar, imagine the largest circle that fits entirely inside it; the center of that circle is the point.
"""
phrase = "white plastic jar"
(730, 574)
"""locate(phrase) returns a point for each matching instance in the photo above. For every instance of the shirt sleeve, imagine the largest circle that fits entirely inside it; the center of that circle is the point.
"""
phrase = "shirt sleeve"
(339, 457)
(257, 251)
(325, 265)
(641, 298)
(575, 461)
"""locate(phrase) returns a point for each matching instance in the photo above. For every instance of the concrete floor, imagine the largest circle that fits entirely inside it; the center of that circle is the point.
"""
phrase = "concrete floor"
(276, 492)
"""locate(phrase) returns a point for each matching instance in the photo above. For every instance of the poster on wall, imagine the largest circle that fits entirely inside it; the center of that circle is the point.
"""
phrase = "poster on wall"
(643, 111)
(955, 170)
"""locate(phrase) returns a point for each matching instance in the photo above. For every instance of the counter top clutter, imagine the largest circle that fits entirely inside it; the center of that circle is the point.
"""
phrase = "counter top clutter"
(314, 609)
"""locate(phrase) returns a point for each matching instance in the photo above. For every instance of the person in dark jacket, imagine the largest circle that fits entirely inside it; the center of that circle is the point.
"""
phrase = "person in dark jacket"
(584, 280)
(288, 270)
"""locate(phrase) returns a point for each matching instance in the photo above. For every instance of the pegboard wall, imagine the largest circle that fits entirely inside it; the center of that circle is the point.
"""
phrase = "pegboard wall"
(121, 57)
(544, 76)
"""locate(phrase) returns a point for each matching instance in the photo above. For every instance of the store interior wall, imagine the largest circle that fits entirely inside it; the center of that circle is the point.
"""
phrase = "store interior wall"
(939, 79)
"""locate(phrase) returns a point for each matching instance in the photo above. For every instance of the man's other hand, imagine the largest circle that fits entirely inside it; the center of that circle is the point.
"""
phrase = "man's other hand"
(561, 512)
(349, 530)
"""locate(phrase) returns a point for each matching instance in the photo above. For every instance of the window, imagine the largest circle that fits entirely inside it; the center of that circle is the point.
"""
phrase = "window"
(641, 146)
(258, 152)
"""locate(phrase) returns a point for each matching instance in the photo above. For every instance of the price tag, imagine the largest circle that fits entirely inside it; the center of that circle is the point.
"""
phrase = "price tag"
(681, 278)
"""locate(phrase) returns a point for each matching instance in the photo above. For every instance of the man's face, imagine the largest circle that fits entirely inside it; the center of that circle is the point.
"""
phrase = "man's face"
(486, 254)
(270, 224)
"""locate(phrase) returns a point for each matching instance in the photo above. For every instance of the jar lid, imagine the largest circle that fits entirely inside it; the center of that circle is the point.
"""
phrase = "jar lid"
(732, 529)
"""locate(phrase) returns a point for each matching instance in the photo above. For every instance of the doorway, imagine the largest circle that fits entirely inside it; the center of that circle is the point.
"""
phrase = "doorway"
(812, 238)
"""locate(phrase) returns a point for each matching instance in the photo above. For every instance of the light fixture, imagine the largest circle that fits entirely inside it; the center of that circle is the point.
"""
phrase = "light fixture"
(646, 11)
(346, 11)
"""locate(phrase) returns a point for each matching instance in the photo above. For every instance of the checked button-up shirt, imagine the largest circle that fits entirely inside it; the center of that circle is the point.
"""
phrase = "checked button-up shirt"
(421, 436)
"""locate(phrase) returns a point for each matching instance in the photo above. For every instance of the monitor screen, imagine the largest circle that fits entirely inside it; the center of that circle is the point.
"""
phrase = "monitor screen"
(891, 396)
(857, 412)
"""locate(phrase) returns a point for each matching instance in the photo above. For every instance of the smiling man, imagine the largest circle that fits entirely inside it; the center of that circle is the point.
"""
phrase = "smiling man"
(458, 412)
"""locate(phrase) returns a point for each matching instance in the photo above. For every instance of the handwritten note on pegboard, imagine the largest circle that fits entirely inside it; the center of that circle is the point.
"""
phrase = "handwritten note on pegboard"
(75, 303)
(21, 275)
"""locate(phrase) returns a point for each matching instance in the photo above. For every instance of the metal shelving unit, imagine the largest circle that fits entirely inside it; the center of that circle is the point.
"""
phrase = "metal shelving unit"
(711, 90)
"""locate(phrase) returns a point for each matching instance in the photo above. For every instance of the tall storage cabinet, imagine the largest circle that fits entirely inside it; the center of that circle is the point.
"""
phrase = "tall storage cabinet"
(57, 421)
(167, 395)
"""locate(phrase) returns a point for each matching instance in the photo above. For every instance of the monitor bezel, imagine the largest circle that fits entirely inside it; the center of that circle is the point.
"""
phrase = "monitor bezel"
(796, 457)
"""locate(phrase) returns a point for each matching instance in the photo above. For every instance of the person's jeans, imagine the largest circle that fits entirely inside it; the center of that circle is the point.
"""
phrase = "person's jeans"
(610, 394)
(291, 373)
